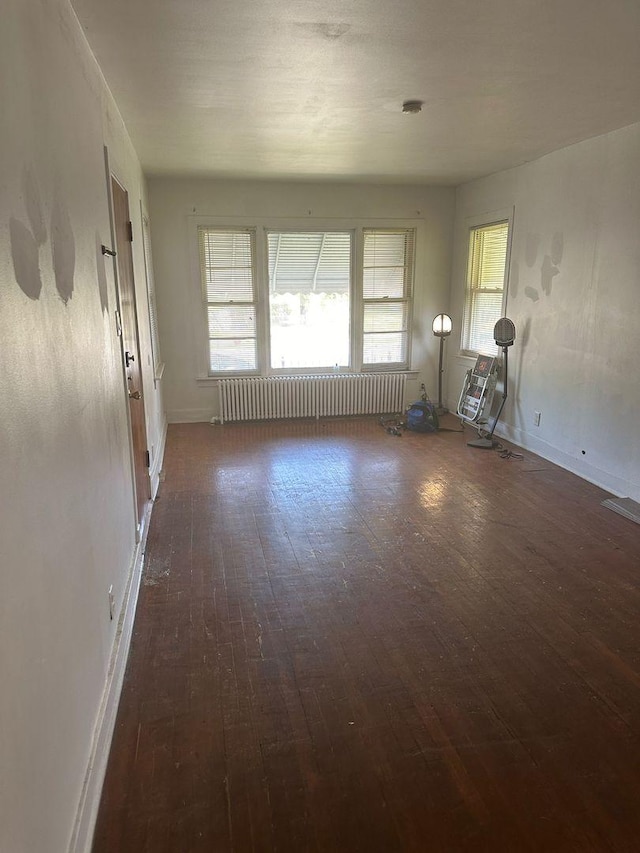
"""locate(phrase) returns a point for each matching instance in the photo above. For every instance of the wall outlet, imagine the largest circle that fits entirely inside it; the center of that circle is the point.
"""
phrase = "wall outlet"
(112, 602)
(536, 418)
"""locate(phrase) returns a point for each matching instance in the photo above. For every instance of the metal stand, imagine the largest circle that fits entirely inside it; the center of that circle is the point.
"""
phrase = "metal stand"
(487, 441)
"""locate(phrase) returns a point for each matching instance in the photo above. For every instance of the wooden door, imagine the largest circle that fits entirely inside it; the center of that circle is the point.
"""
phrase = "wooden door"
(130, 345)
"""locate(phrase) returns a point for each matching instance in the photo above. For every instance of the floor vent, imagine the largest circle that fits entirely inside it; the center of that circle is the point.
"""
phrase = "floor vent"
(624, 506)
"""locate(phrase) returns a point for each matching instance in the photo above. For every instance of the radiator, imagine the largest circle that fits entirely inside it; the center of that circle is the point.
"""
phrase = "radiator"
(259, 398)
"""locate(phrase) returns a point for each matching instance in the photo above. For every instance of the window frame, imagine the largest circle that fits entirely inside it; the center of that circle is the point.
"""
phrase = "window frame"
(269, 370)
(262, 227)
(476, 223)
(206, 303)
(407, 299)
(152, 306)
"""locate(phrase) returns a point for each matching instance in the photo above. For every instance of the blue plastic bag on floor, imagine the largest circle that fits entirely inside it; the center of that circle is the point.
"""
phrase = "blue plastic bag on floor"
(422, 417)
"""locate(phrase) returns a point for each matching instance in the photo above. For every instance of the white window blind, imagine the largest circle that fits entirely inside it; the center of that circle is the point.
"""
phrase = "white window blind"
(386, 293)
(485, 285)
(227, 263)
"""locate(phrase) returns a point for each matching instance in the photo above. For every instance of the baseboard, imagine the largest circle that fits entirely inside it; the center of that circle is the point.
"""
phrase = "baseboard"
(189, 416)
(82, 837)
(156, 467)
(609, 482)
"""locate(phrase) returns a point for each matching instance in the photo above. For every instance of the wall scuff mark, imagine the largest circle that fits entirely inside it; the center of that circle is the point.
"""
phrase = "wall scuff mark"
(24, 253)
(63, 250)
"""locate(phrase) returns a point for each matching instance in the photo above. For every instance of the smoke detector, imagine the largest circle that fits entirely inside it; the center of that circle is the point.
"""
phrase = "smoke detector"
(412, 106)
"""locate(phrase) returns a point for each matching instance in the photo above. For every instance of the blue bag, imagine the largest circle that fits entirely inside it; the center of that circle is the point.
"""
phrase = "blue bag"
(422, 417)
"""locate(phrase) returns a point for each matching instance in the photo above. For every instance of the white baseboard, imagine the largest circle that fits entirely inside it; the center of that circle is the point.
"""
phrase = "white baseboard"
(189, 416)
(154, 473)
(609, 482)
(581, 468)
(82, 837)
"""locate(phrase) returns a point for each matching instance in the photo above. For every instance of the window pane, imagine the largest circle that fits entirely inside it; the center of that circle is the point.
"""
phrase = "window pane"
(378, 283)
(302, 262)
(489, 248)
(229, 285)
(309, 305)
(385, 317)
(485, 311)
(232, 322)
(226, 260)
(388, 260)
(385, 348)
(232, 355)
(309, 330)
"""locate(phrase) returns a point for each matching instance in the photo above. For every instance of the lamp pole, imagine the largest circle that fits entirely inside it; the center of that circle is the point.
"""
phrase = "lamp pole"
(442, 326)
(441, 409)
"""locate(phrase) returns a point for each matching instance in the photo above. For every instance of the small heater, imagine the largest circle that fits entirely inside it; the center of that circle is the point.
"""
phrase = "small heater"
(504, 334)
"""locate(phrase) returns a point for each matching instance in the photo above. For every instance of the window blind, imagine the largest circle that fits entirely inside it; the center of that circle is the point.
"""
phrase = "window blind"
(305, 262)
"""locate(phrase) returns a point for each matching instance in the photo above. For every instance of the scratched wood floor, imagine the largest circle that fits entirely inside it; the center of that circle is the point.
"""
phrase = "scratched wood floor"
(348, 641)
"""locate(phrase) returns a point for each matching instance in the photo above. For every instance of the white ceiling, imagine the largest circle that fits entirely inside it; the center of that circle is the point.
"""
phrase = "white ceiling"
(313, 89)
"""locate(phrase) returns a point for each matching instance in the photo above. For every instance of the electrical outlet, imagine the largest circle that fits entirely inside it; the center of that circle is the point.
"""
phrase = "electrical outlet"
(111, 602)
(536, 418)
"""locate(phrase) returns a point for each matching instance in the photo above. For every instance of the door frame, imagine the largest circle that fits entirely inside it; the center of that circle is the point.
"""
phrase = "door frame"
(139, 522)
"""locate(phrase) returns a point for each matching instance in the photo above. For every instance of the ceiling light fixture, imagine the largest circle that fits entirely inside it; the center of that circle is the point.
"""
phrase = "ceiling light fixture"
(412, 107)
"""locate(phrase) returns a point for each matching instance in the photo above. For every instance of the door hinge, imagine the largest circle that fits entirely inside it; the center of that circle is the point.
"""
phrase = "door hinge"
(147, 459)
(130, 231)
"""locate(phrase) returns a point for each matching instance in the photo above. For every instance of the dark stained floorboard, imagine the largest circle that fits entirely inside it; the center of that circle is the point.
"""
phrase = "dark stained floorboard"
(348, 641)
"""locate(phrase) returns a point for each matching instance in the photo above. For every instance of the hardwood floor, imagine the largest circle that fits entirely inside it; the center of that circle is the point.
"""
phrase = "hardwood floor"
(349, 641)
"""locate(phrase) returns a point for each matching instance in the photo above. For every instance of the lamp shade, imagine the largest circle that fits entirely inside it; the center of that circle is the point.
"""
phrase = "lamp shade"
(442, 325)
(504, 332)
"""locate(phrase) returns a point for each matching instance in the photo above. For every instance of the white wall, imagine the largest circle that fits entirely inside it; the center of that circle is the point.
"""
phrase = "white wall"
(574, 296)
(175, 203)
(66, 501)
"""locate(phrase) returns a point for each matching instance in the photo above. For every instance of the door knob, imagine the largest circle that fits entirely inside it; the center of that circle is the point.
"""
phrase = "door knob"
(135, 395)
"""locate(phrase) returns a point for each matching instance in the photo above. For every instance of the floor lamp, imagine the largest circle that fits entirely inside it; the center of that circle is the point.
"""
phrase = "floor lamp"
(504, 334)
(442, 326)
